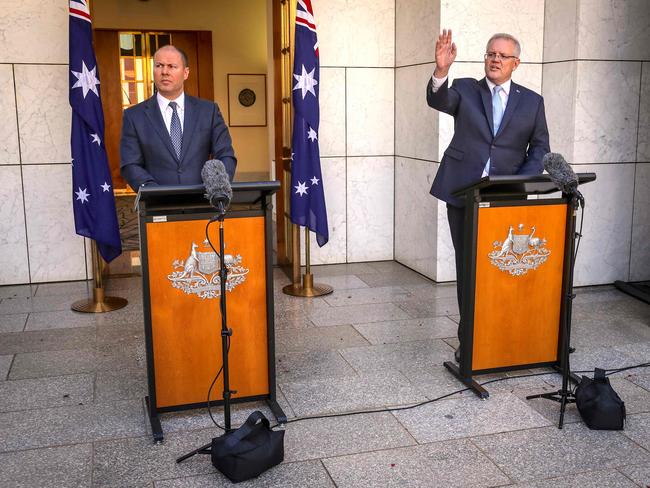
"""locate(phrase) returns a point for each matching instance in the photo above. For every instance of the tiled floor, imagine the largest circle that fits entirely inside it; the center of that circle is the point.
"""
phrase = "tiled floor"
(72, 388)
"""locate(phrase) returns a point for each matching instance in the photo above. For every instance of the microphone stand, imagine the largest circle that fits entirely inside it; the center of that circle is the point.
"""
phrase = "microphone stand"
(226, 333)
(564, 396)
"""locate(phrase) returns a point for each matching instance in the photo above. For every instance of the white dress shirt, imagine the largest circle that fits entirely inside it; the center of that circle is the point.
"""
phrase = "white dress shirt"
(167, 111)
(503, 94)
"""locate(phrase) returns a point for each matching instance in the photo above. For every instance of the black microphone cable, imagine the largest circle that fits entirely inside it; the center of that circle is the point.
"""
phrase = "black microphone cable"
(214, 381)
(442, 397)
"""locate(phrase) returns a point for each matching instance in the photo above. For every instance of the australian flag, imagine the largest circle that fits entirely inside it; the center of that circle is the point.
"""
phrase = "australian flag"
(307, 194)
(93, 201)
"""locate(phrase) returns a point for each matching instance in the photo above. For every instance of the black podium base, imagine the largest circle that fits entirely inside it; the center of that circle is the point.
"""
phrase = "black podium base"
(481, 392)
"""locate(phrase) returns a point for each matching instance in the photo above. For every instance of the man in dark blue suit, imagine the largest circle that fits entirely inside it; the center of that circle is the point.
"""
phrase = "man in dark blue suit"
(167, 139)
(499, 128)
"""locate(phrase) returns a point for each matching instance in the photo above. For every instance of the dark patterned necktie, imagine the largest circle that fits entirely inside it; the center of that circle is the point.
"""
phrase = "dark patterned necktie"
(175, 130)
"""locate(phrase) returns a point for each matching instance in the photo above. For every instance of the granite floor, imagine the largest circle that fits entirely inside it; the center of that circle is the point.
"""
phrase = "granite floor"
(72, 412)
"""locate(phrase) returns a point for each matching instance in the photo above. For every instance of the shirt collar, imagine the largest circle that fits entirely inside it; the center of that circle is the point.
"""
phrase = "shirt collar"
(505, 86)
(163, 102)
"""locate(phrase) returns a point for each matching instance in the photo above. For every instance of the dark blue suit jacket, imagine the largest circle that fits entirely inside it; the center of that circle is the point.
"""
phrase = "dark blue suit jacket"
(518, 147)
(146, 152)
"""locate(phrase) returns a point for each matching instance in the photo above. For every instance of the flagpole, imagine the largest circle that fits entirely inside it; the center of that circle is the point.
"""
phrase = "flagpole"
(308, 288)
(100, 302)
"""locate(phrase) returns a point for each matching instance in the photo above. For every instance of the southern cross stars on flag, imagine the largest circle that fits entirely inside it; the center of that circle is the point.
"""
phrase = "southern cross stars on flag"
(93, 201)
(307, 194)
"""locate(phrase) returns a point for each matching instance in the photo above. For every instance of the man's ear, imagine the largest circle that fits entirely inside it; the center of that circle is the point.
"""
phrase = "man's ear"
(186, 73)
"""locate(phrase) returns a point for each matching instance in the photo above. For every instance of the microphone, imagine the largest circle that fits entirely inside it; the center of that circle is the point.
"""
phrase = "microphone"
(217, 184)
(562, 175)
(560, 172)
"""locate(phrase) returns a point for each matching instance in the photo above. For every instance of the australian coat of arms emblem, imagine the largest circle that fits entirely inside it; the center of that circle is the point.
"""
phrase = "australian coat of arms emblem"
(519, 253)
(199, 273)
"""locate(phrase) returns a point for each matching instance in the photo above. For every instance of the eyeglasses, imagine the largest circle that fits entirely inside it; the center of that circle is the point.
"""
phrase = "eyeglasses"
(492, 55)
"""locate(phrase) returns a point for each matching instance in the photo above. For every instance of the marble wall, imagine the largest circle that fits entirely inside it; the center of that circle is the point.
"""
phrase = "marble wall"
(595, 83)
(38, 242)
(357, 129)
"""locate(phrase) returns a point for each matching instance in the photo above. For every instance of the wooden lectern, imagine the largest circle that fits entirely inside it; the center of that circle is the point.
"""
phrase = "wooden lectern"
(181, 289)
(517, 277)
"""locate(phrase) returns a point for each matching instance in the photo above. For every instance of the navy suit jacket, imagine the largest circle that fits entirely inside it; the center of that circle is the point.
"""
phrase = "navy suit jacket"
(518, 147)
(146, 152)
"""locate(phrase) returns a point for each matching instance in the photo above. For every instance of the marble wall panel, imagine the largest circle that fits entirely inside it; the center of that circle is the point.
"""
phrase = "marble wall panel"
(640, 255)
(416, 124)
(9, 153)
(331, 134)
(335, 251)
(359, 33)
(643, 144)
(33, 31)
(614, 30)
(14, 267)
(56, 253)
(559, 87)
(416, 216)
(43, 113)
(604, 254)
(560, 30)
(607, 107)
(417, 28)
(473, 23)
(370, 203)
(370, 111)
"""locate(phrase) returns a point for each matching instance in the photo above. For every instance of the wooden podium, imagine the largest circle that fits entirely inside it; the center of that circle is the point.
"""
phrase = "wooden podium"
(181, 289)
(518, 278)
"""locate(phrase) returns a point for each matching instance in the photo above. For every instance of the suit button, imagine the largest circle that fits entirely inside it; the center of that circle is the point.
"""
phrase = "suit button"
(492, 146)
(179, 171)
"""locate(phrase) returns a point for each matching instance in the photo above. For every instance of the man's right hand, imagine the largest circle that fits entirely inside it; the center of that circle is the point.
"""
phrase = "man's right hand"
(445, 54)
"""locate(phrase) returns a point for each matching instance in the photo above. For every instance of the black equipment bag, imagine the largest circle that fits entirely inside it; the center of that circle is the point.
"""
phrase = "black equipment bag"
(599, 405)
(248, 451)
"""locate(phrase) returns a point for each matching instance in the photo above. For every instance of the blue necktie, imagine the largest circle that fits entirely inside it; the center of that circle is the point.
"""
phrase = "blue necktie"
(175, 130)
(497, 109)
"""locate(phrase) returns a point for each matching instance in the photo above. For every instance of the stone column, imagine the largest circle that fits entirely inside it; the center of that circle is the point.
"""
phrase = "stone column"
(597, 91)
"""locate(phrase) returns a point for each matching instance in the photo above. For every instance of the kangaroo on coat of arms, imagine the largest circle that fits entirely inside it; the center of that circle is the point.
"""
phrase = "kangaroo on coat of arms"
(199, 272)
(519, 253)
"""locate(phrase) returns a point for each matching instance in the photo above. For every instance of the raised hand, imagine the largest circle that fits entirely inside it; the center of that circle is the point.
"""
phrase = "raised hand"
(445, 54)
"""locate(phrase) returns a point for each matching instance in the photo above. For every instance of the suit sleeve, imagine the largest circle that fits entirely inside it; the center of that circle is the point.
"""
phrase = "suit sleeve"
(131, 159)
(538, 146)
(222, 143)
(445, 99)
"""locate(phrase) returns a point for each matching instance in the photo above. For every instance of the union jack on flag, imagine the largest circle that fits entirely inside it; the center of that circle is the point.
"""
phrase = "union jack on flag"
(307, 193)
(93, 201)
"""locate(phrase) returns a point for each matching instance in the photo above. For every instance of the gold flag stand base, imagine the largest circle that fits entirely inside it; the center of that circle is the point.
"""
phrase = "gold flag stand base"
(99, 303)
(307, 288)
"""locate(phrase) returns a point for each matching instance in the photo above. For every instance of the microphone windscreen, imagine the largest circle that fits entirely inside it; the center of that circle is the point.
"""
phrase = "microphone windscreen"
(560, 172)
(216, 182)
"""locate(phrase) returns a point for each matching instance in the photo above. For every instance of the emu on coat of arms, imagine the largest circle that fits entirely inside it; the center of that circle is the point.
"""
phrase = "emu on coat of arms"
(199, 272)
(519, 253)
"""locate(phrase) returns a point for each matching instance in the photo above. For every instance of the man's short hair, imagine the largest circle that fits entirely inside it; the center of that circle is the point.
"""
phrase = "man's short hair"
(503, 35)
(178, 50)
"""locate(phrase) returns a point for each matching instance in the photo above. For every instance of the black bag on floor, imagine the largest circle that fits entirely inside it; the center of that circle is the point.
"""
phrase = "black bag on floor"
(599, 405)
(248, 451)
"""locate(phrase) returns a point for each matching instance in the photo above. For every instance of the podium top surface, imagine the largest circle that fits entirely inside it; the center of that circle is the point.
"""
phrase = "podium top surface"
(171, 195)
(518, 184)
